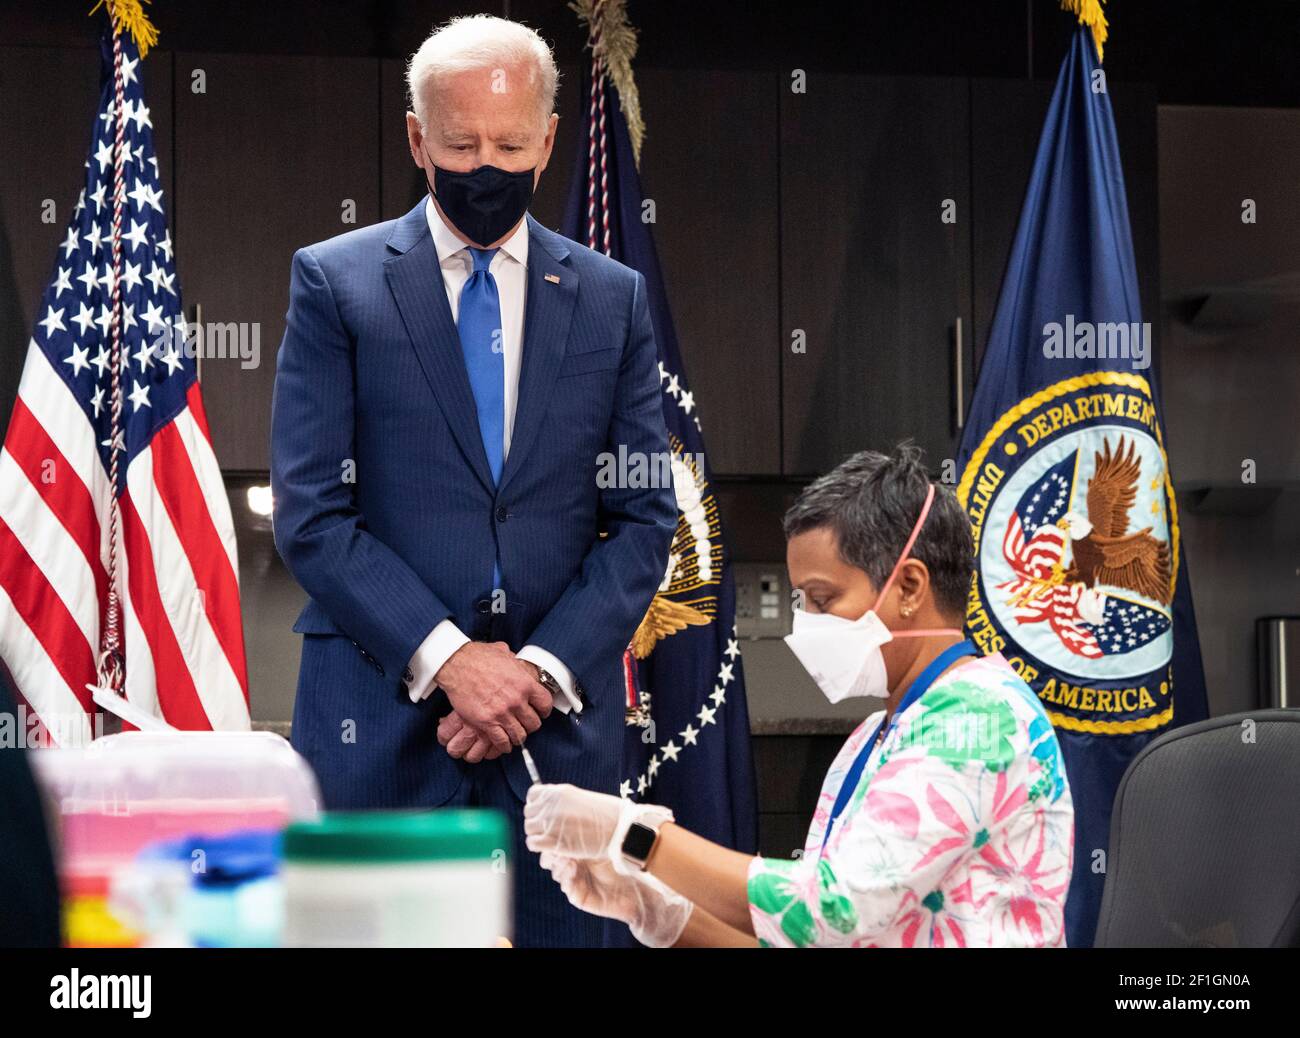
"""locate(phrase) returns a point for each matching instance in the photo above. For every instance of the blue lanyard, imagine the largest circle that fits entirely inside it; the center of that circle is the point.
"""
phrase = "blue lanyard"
(919, 687)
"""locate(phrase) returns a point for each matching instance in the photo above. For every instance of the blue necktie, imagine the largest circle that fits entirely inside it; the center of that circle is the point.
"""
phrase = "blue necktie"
(479, 324)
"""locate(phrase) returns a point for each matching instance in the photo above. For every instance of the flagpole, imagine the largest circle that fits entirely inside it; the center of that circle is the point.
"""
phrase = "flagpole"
(123, 15)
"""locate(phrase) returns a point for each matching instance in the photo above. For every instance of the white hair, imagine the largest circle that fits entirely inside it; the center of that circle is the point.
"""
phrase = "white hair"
(481, 41)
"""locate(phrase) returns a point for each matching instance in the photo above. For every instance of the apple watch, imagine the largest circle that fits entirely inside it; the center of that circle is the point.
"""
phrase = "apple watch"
(638, 843)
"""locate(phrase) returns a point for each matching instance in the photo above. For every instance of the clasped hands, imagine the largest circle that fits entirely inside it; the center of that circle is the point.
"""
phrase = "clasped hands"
(497, 701)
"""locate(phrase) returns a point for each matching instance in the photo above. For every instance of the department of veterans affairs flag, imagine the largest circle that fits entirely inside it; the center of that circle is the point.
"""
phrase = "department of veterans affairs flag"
(173, 555)
(688, 734)
(1080, 580)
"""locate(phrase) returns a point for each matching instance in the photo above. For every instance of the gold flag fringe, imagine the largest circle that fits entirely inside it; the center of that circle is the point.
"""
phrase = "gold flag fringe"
(1090, 14)
(615, 48)
(129, 15)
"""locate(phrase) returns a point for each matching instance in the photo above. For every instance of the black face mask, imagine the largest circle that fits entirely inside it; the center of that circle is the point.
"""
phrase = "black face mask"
(484, 204)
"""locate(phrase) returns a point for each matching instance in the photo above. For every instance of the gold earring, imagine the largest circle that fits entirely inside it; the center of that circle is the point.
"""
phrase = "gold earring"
(906, 611)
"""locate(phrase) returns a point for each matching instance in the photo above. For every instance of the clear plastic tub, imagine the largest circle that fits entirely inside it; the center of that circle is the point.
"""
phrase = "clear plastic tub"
(124, 792)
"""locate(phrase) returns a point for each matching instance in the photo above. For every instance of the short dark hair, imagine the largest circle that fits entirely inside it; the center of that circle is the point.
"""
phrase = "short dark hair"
(871, 501)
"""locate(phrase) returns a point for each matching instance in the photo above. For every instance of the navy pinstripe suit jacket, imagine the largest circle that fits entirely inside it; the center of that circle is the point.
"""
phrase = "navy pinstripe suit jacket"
(386, 514)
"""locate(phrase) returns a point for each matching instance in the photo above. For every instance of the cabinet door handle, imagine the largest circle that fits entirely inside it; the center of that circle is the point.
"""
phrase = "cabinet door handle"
(960, 378)
(198, 352)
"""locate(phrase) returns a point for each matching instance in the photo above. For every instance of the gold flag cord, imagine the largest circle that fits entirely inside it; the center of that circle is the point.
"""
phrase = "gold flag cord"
(129, 15)
(1091, 15)
(613, 42)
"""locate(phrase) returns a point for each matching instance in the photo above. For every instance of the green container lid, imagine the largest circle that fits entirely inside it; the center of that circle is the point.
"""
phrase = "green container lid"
(399, 836)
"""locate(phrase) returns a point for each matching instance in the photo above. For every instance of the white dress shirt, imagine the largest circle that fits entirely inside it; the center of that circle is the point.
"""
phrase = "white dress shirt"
(509, 268)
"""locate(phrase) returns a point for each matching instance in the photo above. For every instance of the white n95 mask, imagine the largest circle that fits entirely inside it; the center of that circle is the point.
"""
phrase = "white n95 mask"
(843, 656)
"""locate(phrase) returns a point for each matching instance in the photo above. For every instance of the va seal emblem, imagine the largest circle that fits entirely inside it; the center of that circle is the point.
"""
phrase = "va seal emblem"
(1076, 536)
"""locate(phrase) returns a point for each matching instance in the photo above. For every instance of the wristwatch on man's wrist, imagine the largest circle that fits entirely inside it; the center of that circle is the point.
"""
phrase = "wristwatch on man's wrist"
(552, 685)
(547, 680)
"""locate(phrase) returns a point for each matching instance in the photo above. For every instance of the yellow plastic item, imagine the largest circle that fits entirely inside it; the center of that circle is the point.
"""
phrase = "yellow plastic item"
(87, 923)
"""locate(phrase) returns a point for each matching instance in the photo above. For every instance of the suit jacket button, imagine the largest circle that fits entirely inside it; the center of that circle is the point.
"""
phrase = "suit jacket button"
(483, 605)
(502, 514)
(407, 676)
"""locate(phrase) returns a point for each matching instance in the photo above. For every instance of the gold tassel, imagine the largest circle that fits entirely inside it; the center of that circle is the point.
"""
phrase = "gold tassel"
(129, 15)
(1090, 14)
(616, 50)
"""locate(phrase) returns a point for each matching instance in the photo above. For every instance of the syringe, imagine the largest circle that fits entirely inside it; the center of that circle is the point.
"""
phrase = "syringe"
(528, 763)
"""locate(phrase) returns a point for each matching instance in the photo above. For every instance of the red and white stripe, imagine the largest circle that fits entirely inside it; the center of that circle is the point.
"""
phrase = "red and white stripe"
(177, 572)
(1035, 597)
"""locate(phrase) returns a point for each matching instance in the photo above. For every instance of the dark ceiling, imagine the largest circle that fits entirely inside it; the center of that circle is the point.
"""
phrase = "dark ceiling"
(1194, 52)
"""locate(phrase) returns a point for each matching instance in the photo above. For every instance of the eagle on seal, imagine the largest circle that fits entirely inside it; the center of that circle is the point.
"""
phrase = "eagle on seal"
(1103, 550)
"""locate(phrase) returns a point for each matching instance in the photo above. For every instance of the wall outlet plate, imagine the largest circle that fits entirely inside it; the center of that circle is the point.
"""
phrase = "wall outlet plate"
(762, 599)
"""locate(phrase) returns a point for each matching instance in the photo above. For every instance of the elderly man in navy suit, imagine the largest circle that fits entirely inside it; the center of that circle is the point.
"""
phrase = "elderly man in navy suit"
(447, 388)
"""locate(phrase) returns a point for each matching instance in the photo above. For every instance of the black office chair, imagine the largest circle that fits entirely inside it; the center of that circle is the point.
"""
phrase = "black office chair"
(1205, 838)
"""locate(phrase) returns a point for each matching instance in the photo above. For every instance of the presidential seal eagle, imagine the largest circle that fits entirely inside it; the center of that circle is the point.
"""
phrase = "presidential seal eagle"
(1103, 550)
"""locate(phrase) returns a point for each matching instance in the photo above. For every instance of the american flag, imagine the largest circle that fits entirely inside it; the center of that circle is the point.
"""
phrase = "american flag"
(173, 552)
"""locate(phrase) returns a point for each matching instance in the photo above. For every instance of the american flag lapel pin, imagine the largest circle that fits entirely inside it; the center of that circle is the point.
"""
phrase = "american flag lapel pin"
(554, 279)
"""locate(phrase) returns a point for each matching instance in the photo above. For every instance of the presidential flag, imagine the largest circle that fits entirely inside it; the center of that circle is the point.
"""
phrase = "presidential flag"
(688, 724)
(117, 550)
(1080, 579)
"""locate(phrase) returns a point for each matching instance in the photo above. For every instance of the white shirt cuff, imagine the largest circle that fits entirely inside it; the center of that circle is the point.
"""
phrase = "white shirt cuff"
(433, 652)
(552, 665)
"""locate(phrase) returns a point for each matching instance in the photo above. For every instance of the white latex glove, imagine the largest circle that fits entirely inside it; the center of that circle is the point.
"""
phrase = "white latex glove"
(577, 823)
(655, 913)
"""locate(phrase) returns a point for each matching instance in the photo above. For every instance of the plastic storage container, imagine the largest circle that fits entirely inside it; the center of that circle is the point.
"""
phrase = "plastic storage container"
(124, 792)
(433, 879)
(204, 892)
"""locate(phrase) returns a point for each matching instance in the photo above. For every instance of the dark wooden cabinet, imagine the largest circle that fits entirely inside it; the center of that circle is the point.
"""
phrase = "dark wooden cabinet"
(273, 155)
(872, 277)
(1230, 364)
(401, 184)
(713, 181)
(877, 283)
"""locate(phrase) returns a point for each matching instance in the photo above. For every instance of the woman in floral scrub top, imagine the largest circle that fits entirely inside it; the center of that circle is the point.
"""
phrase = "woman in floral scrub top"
(958, 836)
(945, 820)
